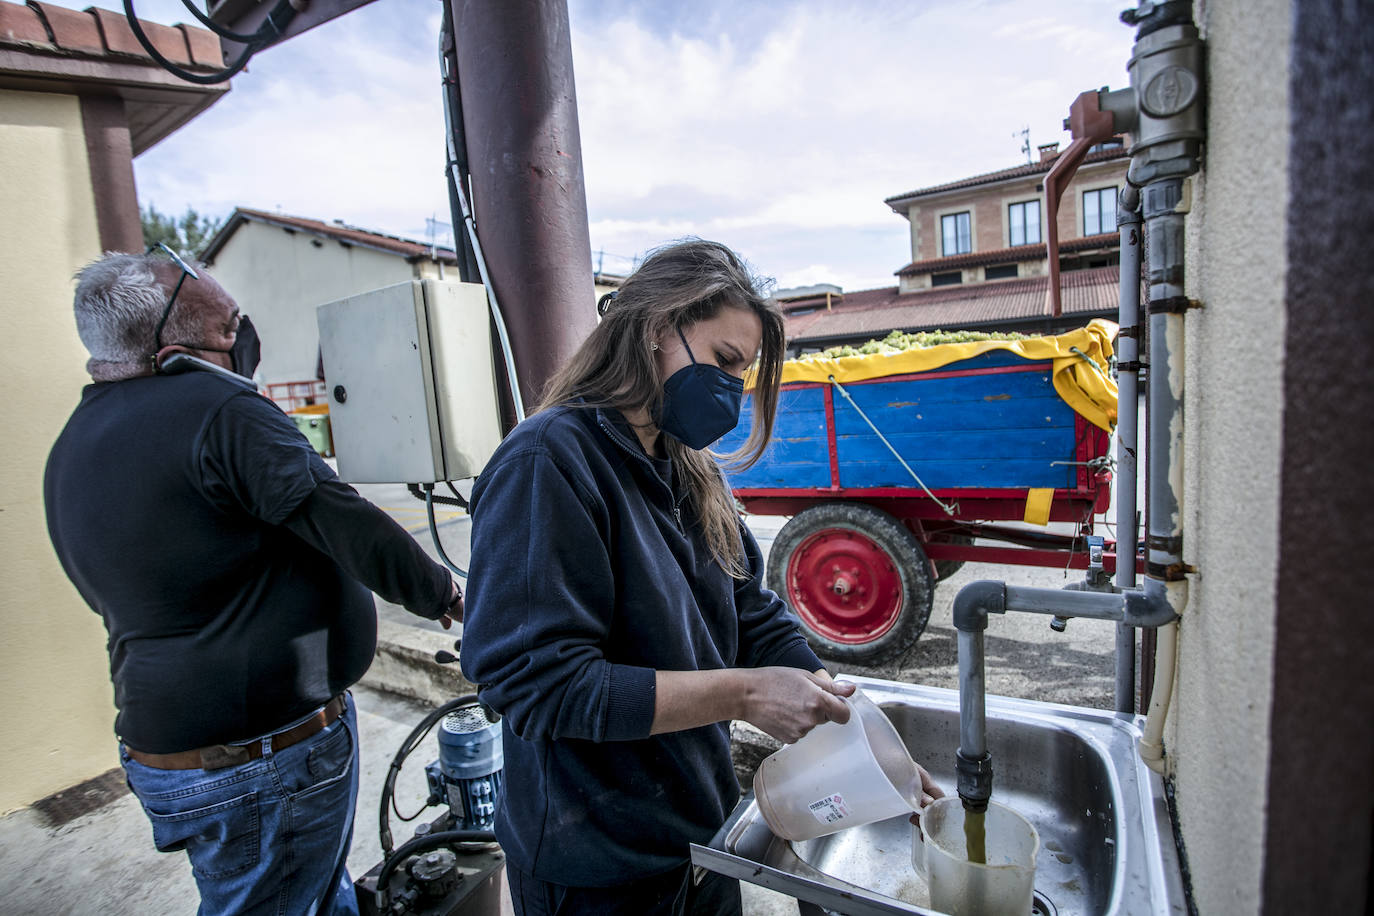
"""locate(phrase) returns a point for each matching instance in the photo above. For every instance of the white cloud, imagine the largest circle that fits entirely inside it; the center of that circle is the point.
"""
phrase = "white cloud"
(777, 127)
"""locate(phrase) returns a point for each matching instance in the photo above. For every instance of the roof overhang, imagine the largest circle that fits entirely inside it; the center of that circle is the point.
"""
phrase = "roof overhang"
(157, 104)
(44, 48)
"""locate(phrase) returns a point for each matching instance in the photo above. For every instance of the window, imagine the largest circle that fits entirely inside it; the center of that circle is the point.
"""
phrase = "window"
(955, 230)
(999, 272)
(948, 278)
(1023, 223)
(1099, 211)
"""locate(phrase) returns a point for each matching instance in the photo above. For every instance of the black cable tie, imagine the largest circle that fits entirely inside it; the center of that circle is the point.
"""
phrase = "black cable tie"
(1132, 332)
(1131, 365)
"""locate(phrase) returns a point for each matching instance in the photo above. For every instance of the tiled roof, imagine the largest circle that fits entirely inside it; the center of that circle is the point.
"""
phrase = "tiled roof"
(898, 201)
(100, 33)
(49, 48)
(1008, 255)
(874, 312)
(339, 232)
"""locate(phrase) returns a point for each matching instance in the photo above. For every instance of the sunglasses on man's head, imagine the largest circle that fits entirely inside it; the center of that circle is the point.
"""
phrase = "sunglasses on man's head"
(186, 271)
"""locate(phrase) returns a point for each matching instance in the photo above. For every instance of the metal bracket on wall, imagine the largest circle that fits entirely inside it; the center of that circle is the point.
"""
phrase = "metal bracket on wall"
(1174, 305)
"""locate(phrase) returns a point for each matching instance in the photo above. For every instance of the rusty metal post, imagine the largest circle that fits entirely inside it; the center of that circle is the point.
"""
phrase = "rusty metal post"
(519, 113)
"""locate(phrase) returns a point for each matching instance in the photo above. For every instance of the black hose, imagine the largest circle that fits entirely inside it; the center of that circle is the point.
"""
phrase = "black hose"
(419, 845)
(409, 744)
(455, 500)
(468, 270)
(280, 16)
(434, 534)
(267, 31)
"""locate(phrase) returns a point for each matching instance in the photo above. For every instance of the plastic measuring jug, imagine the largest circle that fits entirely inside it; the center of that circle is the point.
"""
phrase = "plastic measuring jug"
(939, 853)
(838, 776)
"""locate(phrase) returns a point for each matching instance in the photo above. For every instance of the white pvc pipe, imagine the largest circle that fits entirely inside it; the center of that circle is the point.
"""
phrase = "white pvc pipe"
(1151, 744)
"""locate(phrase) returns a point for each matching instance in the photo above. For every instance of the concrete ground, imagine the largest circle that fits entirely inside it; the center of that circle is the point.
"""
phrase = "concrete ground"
(103, 861)
(93, 852)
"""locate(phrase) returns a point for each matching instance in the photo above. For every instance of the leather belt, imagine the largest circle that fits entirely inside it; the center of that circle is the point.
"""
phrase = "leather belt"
(219, 756)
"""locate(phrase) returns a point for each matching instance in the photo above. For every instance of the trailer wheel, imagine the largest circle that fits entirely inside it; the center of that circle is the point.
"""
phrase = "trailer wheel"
(858, 579)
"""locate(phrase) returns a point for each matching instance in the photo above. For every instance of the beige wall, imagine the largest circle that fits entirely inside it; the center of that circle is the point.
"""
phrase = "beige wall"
(1218, 737)
(280, 278)
(57, 727)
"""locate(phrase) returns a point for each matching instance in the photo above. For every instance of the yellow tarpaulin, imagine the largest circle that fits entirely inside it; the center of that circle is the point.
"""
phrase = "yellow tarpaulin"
(1085, 387)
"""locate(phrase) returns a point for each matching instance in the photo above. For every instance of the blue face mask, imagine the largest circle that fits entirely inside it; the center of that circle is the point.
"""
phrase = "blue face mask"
(700, 402)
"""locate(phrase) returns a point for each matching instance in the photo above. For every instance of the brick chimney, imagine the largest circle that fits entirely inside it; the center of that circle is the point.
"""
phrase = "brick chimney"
(1048, 151)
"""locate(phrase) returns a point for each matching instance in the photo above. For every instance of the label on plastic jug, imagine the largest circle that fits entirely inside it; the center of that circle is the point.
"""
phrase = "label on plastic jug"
(830, 809)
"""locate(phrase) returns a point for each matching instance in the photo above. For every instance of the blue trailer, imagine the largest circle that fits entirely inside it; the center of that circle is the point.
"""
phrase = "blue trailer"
(891, 465)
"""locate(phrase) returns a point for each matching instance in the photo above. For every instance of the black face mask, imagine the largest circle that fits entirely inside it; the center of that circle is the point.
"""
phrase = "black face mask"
(700, 402)
(245, 354)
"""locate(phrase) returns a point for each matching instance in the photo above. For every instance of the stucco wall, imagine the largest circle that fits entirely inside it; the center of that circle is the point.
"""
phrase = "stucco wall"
(54, 674)
(279, 278)
(1219, 734)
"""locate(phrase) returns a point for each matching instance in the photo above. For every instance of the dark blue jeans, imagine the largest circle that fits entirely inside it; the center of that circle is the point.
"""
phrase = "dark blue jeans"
(269, 836)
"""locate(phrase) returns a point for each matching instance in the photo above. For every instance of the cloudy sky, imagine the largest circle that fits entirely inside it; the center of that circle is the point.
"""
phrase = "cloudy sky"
(775, 126)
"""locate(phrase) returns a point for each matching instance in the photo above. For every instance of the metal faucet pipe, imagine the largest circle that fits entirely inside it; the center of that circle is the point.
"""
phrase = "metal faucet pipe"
(1150, 607)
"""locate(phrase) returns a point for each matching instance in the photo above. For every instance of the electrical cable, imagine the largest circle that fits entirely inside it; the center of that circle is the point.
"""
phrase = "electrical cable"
(454, 169)
(409, 744)
(262, 34)
(283, 9)
(455, 500)
(434, 533)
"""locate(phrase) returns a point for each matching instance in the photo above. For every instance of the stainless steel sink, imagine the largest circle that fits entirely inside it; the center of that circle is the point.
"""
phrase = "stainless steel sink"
(1106, 845)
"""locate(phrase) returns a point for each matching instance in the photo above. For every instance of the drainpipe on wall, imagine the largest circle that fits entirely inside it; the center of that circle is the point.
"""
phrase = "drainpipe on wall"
(1127, 421)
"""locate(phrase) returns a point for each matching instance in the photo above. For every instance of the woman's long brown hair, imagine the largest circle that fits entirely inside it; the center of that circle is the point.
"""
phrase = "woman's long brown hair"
(677, 286)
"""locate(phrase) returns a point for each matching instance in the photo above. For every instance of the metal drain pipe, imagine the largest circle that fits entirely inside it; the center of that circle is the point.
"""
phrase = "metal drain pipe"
(1127, 421)
(1163, 110)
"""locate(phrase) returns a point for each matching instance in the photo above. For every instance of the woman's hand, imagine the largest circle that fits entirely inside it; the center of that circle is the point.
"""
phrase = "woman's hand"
(929, 790)
(788, 702)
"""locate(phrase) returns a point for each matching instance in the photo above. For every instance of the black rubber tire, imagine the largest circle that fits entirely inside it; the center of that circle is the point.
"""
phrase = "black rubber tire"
(901, 549)
(946, 568)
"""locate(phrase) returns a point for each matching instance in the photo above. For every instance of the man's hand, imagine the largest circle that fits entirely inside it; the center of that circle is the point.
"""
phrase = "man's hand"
(788, 702)
(455, 606)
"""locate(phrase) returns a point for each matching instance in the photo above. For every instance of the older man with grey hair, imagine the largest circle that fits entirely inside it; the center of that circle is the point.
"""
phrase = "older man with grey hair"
(231, 568)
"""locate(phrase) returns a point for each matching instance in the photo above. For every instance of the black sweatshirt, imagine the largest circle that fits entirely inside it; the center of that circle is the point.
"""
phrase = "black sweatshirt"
(589, 573)
(226, 558)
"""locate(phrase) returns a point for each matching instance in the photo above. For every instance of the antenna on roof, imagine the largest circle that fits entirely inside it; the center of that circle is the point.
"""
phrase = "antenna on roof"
(1024, 134)
(432, 226)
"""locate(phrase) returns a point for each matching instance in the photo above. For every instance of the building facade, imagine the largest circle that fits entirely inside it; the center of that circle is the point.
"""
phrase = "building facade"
(979, 258)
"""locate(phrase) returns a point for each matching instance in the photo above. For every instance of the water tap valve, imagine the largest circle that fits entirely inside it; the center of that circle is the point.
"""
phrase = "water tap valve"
(1096, 577)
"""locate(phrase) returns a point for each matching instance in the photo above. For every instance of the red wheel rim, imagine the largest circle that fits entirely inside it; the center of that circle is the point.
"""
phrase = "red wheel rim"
(844, 586)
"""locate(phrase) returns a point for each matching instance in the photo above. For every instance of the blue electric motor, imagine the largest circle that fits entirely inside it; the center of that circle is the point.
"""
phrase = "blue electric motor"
(468, 772)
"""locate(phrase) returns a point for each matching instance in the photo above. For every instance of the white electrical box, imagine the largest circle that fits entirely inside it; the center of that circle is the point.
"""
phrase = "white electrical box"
(412, 392)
